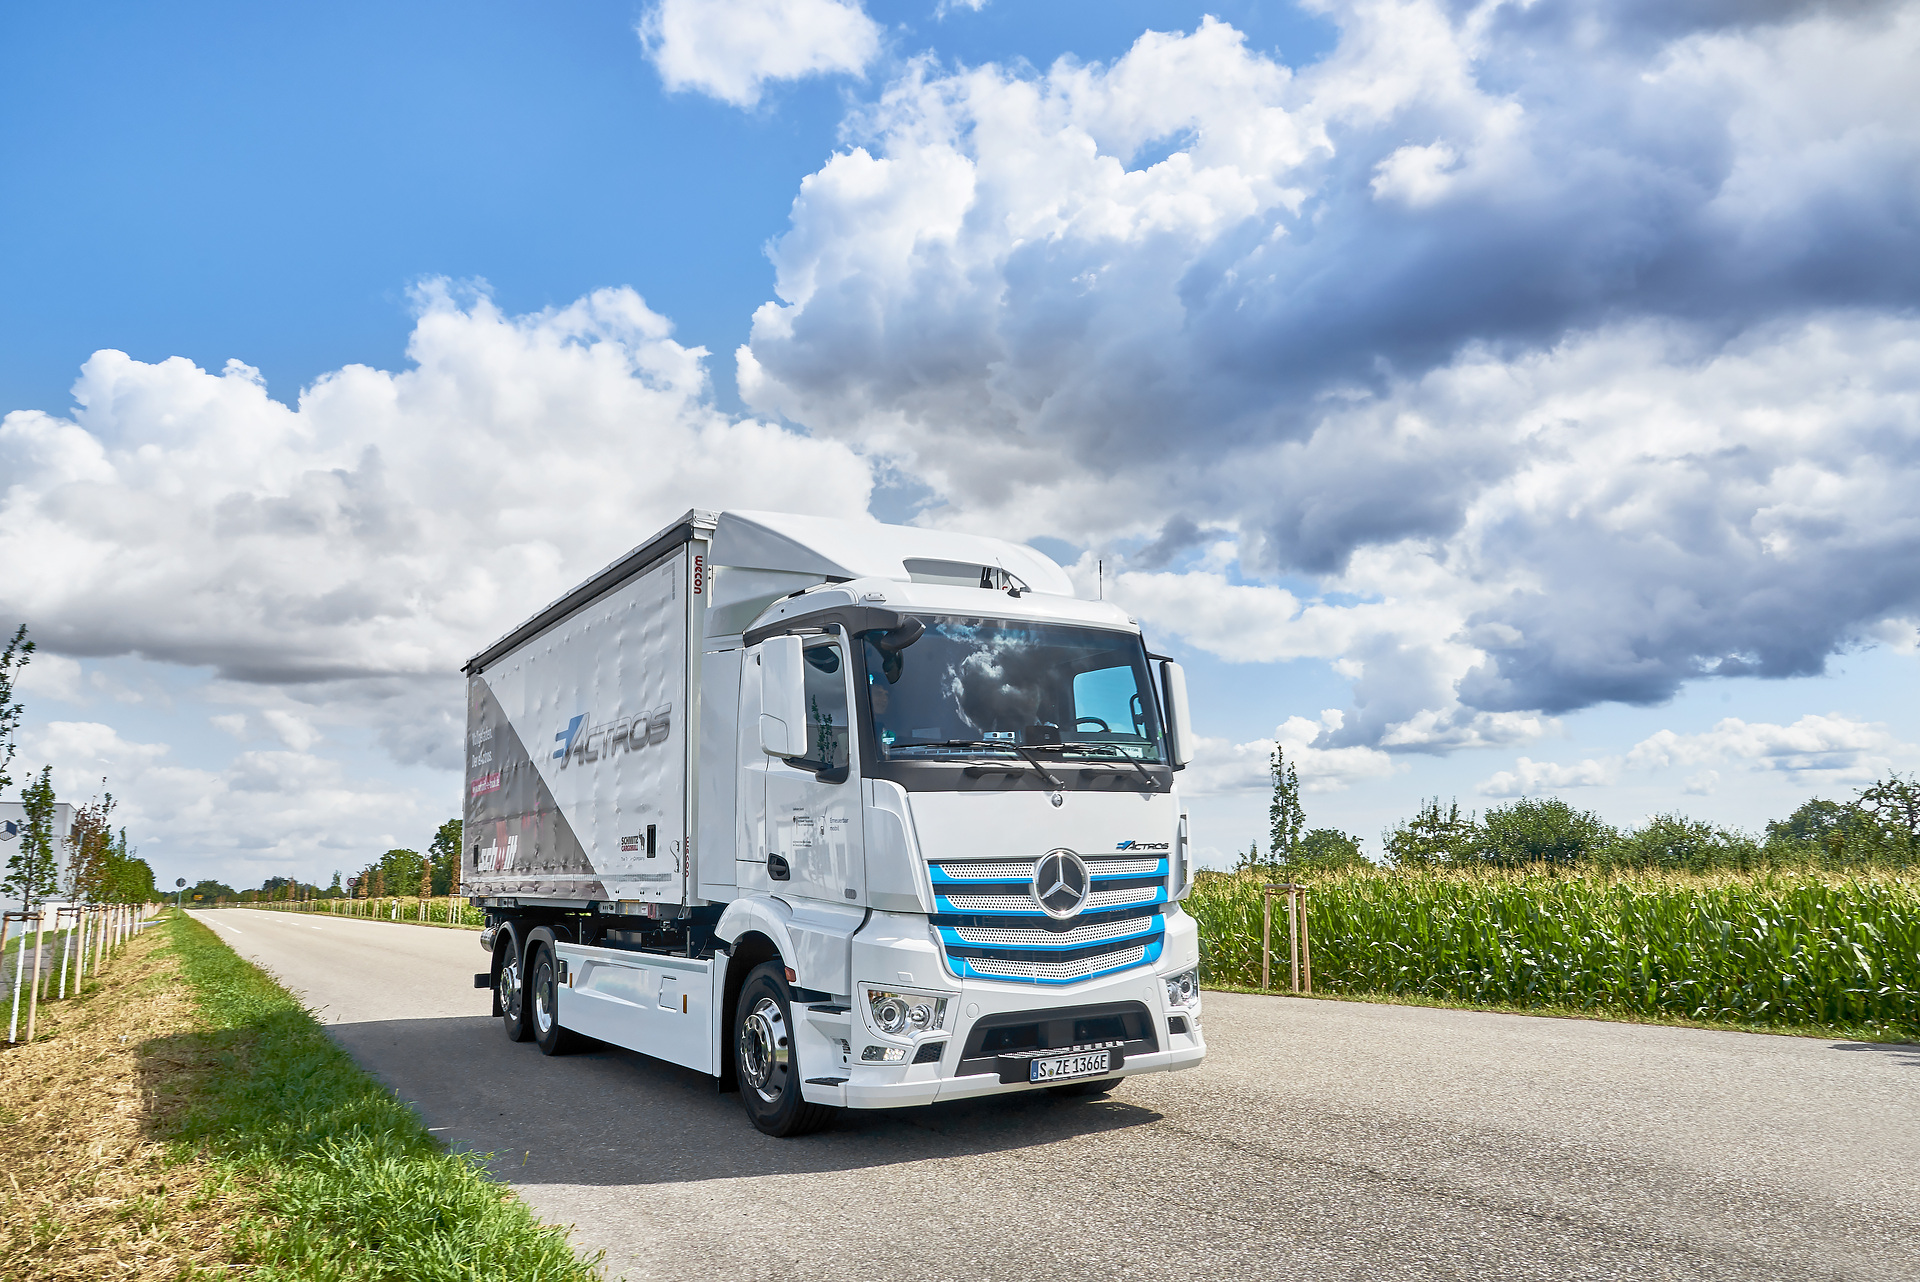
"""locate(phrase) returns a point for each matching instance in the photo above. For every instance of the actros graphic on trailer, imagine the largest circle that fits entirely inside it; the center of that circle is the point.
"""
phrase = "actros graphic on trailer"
(846, 815)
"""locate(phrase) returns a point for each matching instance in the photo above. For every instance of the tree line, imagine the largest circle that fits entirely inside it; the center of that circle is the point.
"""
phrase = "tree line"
(399, 873)
(1879, 827)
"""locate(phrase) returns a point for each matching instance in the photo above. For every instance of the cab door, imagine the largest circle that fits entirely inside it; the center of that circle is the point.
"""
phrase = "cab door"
(813, 816)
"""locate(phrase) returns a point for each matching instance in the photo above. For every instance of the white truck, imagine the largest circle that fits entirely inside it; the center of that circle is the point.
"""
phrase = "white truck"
(846, 815)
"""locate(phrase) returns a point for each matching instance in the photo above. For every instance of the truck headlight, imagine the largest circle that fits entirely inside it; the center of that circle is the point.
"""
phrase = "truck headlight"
(906, 1014)
(1183, 989)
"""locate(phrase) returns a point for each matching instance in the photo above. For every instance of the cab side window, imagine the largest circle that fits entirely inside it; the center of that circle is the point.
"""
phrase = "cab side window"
(826, 688)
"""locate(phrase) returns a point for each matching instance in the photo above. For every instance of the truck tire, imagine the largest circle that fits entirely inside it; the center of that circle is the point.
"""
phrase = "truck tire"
(766, 1059)
(510, 989)
(543, 997)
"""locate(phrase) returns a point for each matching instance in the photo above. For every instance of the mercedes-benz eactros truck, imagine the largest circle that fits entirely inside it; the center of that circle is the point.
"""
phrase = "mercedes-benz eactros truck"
(846, 815)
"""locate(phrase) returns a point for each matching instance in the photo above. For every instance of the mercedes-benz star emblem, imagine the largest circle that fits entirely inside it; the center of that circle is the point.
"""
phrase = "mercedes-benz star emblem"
(1061, 883)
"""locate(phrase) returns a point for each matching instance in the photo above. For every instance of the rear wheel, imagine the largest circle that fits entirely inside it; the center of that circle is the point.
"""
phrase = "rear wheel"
(767, 1060)
(511, 990)
(543, 999)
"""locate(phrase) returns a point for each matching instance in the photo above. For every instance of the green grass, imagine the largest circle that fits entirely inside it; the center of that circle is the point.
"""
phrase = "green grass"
(357, 1187)
(1793, 953)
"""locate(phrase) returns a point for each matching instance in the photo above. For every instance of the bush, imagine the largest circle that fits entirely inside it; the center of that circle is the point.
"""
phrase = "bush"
(1675, 843)
(1329, 848)
(1547, 831)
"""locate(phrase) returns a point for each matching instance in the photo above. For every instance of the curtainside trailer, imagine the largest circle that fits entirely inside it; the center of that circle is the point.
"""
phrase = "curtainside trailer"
(845, 815)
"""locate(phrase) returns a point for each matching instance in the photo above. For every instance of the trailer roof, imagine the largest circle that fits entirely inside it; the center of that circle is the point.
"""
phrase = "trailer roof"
(830, 548)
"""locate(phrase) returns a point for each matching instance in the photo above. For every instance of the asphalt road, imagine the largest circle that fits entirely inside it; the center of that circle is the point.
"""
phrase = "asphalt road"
(1319, 1140)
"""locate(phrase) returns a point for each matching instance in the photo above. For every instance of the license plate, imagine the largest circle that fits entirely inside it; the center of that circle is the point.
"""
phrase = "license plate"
(1061, 1067)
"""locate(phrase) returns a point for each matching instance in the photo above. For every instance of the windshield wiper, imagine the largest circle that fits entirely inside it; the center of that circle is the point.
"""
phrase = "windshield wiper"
(1152, 783)
(997, 745)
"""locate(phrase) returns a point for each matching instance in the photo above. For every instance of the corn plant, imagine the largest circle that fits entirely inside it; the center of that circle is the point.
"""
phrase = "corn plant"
(1778, 950)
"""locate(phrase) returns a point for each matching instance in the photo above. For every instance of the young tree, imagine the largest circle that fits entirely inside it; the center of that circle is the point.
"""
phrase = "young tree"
(400, 871)
(444, 855)
(32, 871)
(12, 659)
(1894, 802)
(1432, 836)
(1284, 815)
(90, 852)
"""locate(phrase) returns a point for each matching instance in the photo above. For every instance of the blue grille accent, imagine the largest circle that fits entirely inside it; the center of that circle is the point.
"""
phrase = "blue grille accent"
(990, 927)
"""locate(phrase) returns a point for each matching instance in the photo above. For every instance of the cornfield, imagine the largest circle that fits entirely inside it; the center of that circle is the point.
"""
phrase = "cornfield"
(451, 912)
(1773, 950)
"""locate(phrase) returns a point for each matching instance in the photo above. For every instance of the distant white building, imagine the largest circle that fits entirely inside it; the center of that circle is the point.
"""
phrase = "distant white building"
(13, 826)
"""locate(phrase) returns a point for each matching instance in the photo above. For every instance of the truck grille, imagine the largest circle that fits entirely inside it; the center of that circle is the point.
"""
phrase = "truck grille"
(1019, 901)
(1058, 972)
(1036, 937)
(990, 926)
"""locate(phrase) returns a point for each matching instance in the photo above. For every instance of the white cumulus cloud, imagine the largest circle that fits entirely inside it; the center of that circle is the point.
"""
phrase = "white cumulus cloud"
(1527, 358)
(1831, 745)
(1826, 747)
(732, 49)
(1529, 777)
(347, 551)
(267, 812)
(1220, 766)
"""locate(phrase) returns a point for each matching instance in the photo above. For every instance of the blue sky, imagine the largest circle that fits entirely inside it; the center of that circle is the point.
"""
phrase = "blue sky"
(231, 180)
(1488, 402)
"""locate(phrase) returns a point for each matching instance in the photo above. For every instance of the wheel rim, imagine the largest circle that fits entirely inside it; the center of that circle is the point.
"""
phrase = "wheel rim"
(543, 995)
(765, 1049)
(510, 990)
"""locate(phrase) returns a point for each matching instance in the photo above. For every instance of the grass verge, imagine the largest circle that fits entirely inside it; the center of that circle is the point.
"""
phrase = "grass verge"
(92, 1188)
(358, 1189)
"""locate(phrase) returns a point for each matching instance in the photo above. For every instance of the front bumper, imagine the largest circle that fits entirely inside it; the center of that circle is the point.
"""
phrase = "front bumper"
(903, 948)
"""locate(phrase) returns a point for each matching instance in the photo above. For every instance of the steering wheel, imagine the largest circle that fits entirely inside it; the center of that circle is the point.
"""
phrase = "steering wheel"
(1081, 721)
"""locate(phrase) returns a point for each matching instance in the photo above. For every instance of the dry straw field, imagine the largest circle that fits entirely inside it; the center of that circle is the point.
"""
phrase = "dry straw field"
(94, 1189)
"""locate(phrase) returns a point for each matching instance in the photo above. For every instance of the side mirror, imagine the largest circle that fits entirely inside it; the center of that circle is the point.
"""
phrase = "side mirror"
(1173, 683)
(783, 698)
(898, 638)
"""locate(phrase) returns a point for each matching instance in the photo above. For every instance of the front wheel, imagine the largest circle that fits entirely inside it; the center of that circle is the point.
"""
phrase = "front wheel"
(767, 1059)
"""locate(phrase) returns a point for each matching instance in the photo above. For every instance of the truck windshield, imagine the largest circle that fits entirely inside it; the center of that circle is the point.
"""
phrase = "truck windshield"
(968, 686)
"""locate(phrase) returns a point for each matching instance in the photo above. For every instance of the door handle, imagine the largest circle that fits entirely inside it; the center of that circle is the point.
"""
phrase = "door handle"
(777, 868)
